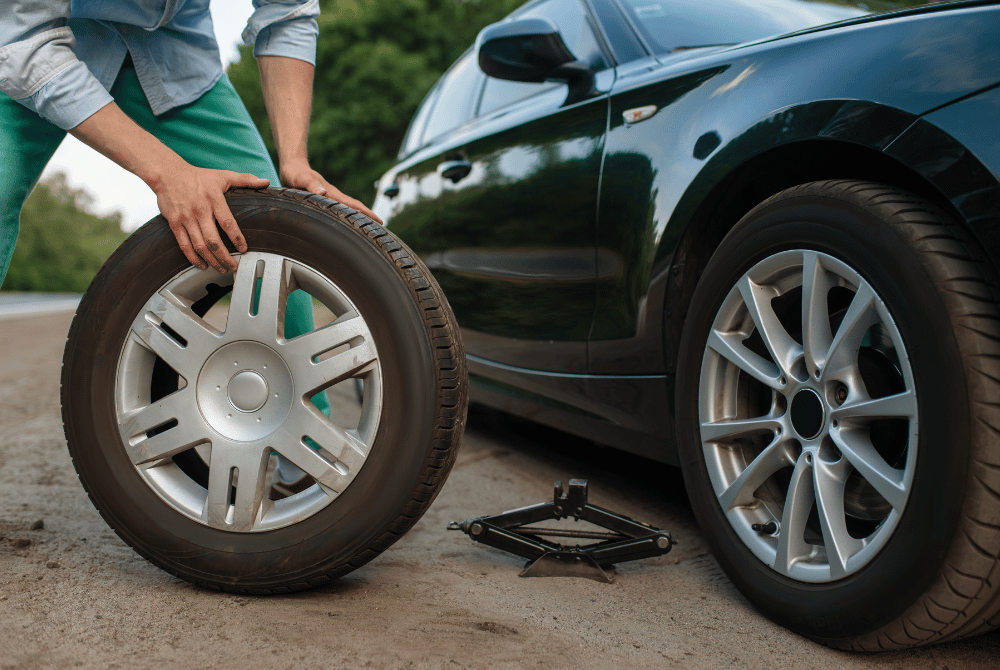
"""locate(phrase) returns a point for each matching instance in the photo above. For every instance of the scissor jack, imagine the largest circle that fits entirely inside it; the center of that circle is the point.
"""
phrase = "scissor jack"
(627, 540)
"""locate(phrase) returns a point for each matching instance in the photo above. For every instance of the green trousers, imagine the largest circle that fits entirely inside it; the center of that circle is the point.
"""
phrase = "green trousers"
(213, 132)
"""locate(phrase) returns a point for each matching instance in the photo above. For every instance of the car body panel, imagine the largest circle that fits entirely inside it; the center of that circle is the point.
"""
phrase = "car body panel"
(957, 148)
(626, 411)
(717, 111)
(521, 282)
(869, 88)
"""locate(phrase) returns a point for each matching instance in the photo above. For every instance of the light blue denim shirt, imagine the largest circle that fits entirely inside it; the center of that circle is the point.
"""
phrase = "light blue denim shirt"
(59, 58)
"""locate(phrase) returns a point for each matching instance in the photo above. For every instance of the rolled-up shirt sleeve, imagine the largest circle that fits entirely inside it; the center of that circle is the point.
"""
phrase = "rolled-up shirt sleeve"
(38, 67)
(284, 28)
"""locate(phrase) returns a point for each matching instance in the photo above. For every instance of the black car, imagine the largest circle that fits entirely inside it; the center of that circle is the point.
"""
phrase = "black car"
(758, 241)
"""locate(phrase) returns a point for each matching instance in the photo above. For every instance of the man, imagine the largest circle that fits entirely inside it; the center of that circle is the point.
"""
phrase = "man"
(141, 81)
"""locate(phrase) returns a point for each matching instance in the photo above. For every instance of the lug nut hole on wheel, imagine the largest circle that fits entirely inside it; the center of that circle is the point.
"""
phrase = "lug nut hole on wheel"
(808, 415)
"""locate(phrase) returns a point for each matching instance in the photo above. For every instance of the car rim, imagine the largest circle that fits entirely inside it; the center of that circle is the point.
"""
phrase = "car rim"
(808, 416)
(244, 395)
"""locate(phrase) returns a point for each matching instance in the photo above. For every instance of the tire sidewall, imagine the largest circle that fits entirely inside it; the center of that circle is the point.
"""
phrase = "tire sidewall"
(392, 471)
(881, 590)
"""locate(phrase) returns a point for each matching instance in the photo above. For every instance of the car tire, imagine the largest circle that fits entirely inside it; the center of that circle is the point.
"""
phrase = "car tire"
(878, 524)
(371, 482)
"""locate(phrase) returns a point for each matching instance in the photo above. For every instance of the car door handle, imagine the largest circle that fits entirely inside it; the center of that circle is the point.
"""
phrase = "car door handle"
(391, 191)
(455, 170)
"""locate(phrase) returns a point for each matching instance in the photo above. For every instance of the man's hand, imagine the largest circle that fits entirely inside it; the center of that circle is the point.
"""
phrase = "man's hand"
(300, 175)
(191, 199)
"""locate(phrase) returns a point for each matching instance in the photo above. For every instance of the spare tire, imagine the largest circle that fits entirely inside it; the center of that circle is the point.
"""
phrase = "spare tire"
(175, 421)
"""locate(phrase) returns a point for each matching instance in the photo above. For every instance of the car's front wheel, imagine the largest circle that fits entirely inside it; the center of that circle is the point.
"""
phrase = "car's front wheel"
(838, 417)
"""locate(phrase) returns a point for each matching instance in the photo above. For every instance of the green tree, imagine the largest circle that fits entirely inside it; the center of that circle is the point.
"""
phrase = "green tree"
(375, 62)
(60, 246)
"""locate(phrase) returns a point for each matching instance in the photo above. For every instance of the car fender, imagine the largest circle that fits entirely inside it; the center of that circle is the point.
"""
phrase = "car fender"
(855, 86)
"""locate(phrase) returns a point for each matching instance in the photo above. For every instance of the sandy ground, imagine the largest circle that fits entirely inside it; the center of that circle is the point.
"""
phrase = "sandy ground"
(77, 596)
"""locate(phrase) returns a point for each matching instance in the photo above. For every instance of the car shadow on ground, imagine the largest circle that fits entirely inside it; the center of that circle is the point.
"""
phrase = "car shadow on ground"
(626, 474)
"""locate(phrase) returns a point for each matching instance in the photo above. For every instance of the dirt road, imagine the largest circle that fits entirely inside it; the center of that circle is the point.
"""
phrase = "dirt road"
(77, 596)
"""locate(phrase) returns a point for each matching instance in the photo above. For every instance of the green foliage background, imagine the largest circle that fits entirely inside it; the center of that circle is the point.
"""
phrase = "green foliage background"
(60, 246)
(375, 62)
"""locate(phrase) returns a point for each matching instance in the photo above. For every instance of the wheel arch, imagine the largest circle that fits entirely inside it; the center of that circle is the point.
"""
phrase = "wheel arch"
(801, 161)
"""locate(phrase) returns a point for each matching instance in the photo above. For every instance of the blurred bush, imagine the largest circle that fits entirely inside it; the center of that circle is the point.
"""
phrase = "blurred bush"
(375, 62)
(60, 246)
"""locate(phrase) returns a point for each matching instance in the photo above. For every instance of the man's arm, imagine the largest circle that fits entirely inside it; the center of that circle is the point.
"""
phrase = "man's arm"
(190, 198)
(39, 69)
(287, 85)
(38, 66)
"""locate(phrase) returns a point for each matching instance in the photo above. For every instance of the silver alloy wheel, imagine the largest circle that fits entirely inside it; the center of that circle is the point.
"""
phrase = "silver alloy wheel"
(245, 394)
(808, 415)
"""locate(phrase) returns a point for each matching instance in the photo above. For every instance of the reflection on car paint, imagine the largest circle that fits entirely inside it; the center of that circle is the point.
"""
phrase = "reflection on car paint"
(726, 116)
(514, 264)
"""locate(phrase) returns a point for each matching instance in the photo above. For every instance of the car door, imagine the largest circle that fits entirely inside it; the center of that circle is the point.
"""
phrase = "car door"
(516, 216)
(636, 183)
(408, 194)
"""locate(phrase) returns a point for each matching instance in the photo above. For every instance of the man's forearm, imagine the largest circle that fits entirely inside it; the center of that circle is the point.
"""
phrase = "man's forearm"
(287, 86)
(111, 132)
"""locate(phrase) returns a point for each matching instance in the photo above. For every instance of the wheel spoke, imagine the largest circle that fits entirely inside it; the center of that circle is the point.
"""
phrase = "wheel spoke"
(816, 335)
(887, 480)
(861, 316)
(783, 349)
(900, 405)
(301, 350)
(798, 504)
(727, 429)
(774, 457)
(178, 407)
(244, 286)
(273, 297)
(224, 511)
(313, 464)
(730, 346)
(830, 479)
(310, 377)
(170, 310)
(271, 301)
(185, 360)
(349, 451)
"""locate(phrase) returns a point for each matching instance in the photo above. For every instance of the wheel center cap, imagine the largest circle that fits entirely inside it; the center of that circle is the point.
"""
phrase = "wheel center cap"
(248, 391)
(245, 391)
(808, 414)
